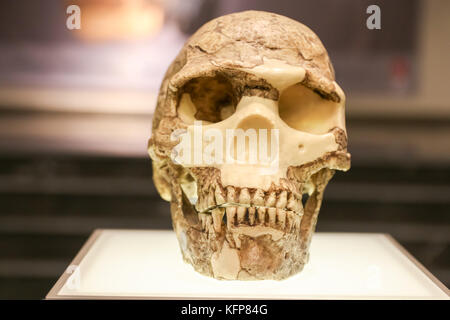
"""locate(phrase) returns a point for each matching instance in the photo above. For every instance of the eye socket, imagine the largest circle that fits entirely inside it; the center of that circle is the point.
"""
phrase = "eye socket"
(209, 99)
(305, 110)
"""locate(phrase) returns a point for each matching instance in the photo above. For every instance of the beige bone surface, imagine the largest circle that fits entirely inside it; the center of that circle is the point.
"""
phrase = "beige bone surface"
(250, 70)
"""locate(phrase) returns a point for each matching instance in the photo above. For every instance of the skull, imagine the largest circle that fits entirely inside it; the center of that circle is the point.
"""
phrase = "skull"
(249, 70)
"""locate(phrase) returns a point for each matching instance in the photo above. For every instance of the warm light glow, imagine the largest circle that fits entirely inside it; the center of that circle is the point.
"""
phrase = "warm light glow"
(119, 19)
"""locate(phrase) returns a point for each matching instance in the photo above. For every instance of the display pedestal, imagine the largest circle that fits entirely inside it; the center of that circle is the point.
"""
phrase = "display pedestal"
(124, 264)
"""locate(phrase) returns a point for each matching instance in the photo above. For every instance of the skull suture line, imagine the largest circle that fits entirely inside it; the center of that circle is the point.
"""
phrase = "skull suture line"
(250, 70)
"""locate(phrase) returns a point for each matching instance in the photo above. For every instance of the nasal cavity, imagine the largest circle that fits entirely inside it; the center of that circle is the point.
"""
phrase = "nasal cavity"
(257, 143)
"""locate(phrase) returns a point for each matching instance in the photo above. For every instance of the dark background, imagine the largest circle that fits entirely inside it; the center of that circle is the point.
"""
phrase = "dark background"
(73, 128)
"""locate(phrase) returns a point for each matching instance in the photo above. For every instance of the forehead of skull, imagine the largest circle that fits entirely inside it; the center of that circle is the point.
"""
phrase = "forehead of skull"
(262, 31)
(255, 40)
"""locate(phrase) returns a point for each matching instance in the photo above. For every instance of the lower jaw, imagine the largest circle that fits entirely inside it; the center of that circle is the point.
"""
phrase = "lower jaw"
(266, 249)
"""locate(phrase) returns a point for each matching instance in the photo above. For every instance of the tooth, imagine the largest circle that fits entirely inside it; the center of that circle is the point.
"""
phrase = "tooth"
(284, 184)
(241, 214)
(217, 216)
(289, 220)
(281, 217)
(208, 222)
(200, 206)
(292, 203)
(261, 215)
(282, 200)
(231, 215)
(258, 198)
(251, 215)
(231, 195)
(296, 221)
(270, 201)
(202, 217)
(272, 216)
(219, 196)
(211, 202)
(244, 196)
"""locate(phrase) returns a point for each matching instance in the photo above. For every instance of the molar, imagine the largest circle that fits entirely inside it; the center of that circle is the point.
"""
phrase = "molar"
(231, 194)
(293, 204)
(231, 216)
(202, 217)
(272, 216)
(201, 203)
(211, 200)
(258, 198)
(281, 217)
(296, 222)
(270, 201)
(219, 196)
(282, 200)
(208, 223)
(217, 216)
(241, 214)
(290, 219)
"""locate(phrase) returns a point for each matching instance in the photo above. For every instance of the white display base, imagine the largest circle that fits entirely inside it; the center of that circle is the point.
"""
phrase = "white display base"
(125, 264)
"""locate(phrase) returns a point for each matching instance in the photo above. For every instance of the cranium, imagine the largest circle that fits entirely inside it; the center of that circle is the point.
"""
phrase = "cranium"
(250, 70)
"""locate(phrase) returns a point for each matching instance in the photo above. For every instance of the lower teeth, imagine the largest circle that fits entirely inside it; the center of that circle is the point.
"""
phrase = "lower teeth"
(242, 215)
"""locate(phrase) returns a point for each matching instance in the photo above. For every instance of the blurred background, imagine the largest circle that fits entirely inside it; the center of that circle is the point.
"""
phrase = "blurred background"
(76, 109)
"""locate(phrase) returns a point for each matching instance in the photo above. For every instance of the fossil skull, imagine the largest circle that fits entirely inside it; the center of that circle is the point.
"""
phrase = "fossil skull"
(250, 70)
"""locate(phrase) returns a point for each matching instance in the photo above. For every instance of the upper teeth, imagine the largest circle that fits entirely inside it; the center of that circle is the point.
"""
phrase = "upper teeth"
(243, 198)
